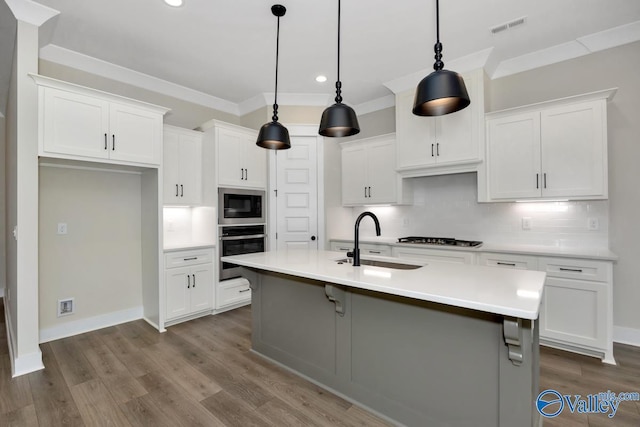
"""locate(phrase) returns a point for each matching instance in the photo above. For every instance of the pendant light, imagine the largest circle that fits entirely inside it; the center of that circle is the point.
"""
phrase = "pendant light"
(443, 91)
(273, 135)
(339, 119)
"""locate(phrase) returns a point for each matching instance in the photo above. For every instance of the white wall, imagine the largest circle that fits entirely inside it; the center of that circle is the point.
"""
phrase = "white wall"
(3, 227)
(98, 262)
(446, 206)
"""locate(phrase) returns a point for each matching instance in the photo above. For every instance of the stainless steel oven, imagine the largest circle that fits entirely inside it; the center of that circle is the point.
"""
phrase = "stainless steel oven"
(237, 240)
(240, 206)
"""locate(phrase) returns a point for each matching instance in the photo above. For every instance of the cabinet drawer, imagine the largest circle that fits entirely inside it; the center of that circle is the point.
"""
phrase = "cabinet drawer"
(434, 255)
(191, 257)
(518, 262)
(365, 248)
(233, 291)
(576, 268)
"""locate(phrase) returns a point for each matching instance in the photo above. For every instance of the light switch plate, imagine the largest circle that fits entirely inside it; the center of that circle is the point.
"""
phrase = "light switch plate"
(62, 228)
(526, 223)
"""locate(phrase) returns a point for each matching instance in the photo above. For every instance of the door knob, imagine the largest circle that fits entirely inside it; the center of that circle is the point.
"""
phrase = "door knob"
(313, 237)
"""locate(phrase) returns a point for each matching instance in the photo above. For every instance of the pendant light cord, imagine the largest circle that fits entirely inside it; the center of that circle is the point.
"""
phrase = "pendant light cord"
(275, 99)
(338, 82)
(438, 65)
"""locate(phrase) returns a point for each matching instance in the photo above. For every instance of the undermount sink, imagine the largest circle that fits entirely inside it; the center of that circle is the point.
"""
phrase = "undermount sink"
(378, 263)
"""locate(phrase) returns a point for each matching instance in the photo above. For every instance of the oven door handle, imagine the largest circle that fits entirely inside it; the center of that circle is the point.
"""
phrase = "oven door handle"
(251, 236)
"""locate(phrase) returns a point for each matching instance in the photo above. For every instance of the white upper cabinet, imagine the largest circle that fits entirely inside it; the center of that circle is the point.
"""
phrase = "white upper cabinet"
(86, 124)
(554, 150)
(452, 143)
(240, 162)
(182, 166)
(368, 173)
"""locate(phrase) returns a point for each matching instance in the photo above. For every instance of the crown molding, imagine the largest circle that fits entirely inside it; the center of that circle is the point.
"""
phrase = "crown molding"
(463, 64)
(293, 99)
(540, 58)
(31, 12)
(613, 37)
(108, 70)
(381, 103)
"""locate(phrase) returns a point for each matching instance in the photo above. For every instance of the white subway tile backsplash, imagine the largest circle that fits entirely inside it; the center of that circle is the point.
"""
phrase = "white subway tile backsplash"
(447, 206)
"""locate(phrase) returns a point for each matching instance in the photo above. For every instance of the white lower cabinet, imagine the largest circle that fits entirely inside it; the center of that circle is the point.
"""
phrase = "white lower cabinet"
(233, 292)
(577, 306)
(188, 283)
(576, 313)
(433, 255)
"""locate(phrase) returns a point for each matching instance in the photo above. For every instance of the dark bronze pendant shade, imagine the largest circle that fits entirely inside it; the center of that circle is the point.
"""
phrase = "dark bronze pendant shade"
(339, 119)
(443, 91)
(273, 135)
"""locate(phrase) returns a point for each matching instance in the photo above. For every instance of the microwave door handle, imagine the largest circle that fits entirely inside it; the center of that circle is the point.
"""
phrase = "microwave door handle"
(250, 236)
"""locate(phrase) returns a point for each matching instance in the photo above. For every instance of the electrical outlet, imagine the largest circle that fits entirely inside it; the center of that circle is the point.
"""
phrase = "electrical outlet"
(62, 228)
(66, 307)
(526, 223)
(405, 222)
(593, 224)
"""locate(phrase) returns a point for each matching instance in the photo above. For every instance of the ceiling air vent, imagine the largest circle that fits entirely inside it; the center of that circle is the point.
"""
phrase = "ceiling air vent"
(508, 25)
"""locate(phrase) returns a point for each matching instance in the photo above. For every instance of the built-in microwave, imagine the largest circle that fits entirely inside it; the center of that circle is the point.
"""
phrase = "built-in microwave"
(240, 206)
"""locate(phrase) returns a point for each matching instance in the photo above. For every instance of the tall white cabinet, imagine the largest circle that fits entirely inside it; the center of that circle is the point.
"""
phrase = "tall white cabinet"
(182, 166)
(551, 150)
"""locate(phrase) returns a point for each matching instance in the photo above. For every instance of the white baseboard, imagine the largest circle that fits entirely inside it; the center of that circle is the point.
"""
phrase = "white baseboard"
(90, 324)
(628, 336)
(23, 364)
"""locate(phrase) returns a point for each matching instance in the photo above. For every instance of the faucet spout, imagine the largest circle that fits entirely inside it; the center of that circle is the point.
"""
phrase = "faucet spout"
(356, 243)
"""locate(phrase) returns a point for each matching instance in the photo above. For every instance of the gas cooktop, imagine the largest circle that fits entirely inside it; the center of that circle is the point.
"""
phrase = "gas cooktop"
(441, 241)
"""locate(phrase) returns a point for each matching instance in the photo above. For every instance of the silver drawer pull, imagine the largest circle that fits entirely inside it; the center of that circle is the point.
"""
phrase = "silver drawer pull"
(510, 264)
(573, 270)
(245, 290)
(190, 259)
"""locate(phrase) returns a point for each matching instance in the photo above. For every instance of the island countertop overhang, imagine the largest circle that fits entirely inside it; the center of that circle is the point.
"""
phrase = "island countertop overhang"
(515, 293)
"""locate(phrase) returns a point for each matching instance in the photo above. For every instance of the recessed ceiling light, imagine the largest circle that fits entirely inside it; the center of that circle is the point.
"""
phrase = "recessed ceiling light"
(321, 78)
(174, 3)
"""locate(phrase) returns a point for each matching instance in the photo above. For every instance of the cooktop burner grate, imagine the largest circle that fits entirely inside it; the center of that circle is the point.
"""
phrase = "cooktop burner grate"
(442, 241)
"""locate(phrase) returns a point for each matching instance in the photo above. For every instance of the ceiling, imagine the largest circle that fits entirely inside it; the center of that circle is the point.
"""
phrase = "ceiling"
(226, 49)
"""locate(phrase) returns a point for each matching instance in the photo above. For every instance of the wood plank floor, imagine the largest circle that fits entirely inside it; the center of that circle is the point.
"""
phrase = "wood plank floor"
(201, 373)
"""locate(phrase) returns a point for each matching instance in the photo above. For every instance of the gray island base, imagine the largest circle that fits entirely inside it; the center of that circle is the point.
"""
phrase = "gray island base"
(414, 362)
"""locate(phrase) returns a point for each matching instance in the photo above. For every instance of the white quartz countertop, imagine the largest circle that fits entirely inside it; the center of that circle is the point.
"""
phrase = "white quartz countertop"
(184, 246)
(500, 291)
(587, 252)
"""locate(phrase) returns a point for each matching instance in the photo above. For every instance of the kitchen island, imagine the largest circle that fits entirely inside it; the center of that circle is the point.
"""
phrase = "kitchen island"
(437, 345)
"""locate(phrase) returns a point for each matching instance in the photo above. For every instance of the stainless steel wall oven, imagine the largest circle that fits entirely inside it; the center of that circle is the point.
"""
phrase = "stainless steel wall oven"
(237, 240)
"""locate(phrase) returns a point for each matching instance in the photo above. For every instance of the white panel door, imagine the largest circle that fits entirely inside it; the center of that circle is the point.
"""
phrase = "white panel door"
(201, 287)
(297, 195)
(573, 155)
(514, 156)
(135, 134)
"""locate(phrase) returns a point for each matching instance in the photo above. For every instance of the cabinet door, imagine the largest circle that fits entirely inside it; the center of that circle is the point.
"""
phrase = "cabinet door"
(201, 287)
(457, 134)
(415, 145)
(75, 124)
(177, 293)
(171, 167)
(254, 159)
(574, 154)
(135, 134)
(514, 156)
(381, 175)
(574, 312)
(230, 170)
(354, 175)
(190, 166)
